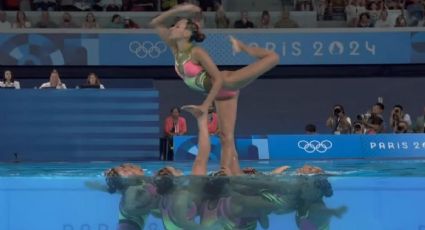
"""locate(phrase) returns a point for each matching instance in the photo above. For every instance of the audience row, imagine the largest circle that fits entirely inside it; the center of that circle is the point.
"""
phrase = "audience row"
(220, 19)
(103, 5)
(116, 20)
(373, 121)
(54, 82)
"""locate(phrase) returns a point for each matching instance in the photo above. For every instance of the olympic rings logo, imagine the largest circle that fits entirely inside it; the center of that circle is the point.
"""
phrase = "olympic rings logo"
(315, 146)
(147, 48)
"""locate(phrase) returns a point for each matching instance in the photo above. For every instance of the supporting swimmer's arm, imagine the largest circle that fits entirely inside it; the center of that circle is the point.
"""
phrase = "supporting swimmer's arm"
(201, 56)
(159, 22)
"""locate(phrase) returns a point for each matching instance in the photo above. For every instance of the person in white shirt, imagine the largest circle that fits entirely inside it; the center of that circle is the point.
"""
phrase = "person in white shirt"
(54, 82)
(93, 81)
(8, 81)
(4, 24)
(351, 13)
(383, 19)
(21, 20)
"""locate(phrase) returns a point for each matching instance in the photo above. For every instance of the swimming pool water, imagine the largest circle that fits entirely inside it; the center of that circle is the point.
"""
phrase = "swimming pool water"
(376, 195)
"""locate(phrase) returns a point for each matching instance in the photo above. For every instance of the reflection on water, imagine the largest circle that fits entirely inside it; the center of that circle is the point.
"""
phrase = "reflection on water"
(217, 201)
(378, 195)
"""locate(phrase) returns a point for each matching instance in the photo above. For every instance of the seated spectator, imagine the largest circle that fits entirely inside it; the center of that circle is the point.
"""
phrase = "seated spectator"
(130, 24)
(383, 19)
(92, 82)
(265, 20)
(373, 11)
(310, 129)
(420, 23)
(285, 21)
(212, 121)
(244, 21)
(4, 24)
(44, 5)
(175, 124)
(354, 10)
(327, 12)
(21, 20)
(361, 7)
(67, 21)
(54, 82)
(420, 123)
(45, 21)
(116, 22)
(351, 13)
(400, 21)
(364, 20)
(221, 20)
(397, 116)
(90, 22)
(415, 12)
(9, 81)
(111, 5)
(322, 6)
(338, 121)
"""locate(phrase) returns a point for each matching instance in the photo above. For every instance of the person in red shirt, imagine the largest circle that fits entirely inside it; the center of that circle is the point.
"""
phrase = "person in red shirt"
(175, 124)
(212, 121)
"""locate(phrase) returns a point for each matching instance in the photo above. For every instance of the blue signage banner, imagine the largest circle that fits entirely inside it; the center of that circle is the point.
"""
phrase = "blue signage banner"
(285, 147)
(146, 49)
(380, 146)
(249, 148)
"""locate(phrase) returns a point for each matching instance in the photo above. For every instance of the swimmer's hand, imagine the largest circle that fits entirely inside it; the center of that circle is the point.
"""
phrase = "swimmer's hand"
(196, 110)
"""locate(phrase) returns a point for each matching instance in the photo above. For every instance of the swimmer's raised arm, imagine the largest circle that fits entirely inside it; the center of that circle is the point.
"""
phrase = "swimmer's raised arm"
(158, 23)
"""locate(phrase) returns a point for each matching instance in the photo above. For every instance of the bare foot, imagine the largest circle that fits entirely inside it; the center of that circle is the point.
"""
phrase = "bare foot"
(196, 111)
(236, 45)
